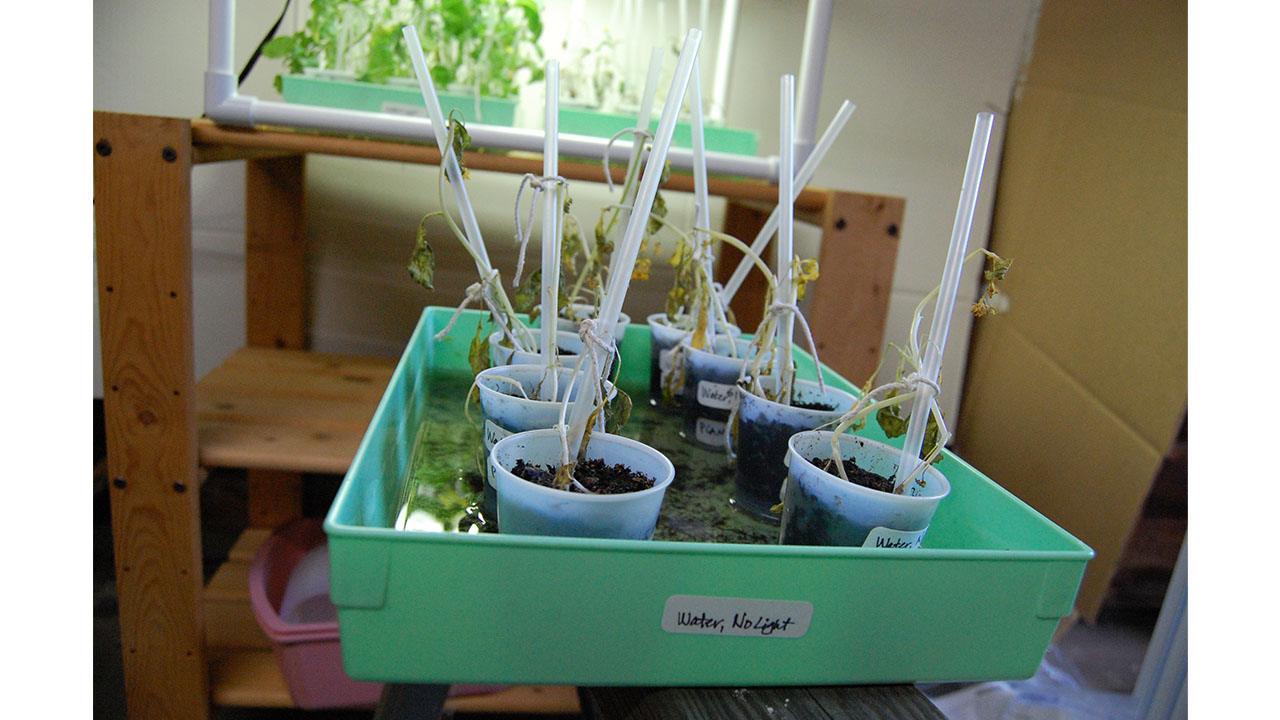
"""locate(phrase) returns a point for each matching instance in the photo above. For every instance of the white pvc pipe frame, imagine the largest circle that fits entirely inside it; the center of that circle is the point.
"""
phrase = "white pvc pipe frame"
(224, 104)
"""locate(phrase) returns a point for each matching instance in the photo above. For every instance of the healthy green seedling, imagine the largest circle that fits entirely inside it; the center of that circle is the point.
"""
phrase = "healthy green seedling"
(490, 46)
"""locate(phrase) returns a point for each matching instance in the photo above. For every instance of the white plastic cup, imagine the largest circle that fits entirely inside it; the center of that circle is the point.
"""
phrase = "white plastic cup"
(506, 413)
(499, 355)
(708, 389)
(662, 344)
(765, 428)
(823, 509)
(526, 508)
(663, 339)
(581, 311)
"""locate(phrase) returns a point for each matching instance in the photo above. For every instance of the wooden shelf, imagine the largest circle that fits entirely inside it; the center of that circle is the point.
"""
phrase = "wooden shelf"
(277, 410)
(288, 410)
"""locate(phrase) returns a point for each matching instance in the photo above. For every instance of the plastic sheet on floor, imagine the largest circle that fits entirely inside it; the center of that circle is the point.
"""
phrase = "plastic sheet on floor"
(1056, 692)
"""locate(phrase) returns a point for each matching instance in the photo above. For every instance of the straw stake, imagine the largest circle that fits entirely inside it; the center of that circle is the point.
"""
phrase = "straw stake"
(941, 322)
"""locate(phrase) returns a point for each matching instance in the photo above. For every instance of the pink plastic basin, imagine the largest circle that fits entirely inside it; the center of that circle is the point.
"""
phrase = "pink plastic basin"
(309, 654)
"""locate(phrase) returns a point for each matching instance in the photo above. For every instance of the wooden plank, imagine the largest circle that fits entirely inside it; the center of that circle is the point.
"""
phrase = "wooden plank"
(246, 546)
(211, 135)
(275, 496)
(531, 699)
(890, 702)
(229, 619)
(851, 297)
(276, 302)
(286, 410)
(142, 215)
(247, 678)
(743, 221)
(275, 253)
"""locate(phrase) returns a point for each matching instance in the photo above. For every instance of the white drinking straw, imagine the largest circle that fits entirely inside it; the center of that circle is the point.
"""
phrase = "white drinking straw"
(451, 167)
(550, 231)
(786, 223)
(637, 149)
(629, 248)
(807, 169)
(701, 194)
(946, 302)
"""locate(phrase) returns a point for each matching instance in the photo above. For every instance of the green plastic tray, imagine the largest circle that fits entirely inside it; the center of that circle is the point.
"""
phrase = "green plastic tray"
(979, 601)
(372, 97)
(735, 141)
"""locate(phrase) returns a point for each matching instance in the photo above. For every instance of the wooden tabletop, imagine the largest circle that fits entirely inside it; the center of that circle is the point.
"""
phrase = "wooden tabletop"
(889, 702)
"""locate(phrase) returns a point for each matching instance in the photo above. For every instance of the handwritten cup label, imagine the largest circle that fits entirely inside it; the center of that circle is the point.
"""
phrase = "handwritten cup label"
(492, 434)
(883, 537)
(736, 617)
(715, 395)
(709, 432)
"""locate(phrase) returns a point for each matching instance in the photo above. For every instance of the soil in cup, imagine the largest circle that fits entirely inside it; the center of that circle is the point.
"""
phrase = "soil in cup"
(813, 405)
(856, 475)
(595, 475)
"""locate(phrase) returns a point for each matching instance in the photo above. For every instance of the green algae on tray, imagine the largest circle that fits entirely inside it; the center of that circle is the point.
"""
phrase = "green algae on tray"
(445, 476)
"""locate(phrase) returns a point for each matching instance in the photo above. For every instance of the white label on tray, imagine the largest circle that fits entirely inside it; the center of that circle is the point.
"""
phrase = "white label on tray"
(715, 395)
(395, 108)
(709, 432)
(736, 617)
(883, 537)
(492, 434)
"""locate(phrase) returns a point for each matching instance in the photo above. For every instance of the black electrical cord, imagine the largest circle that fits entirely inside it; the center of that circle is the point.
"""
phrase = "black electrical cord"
(253, 59)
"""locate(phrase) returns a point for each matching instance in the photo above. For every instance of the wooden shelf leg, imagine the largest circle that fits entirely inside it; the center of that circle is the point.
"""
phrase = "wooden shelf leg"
(276, 305)
(142, 215)
(744, 221)
(859, 249)
(275, 253)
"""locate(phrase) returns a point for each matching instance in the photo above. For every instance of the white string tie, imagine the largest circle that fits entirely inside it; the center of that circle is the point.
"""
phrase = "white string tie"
(539, 183)
(479, 292)
(778, 308)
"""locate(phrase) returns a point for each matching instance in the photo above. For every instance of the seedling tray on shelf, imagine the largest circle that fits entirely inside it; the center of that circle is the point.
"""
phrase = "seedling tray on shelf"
(401, 99)
(718, 138)
(979, 601)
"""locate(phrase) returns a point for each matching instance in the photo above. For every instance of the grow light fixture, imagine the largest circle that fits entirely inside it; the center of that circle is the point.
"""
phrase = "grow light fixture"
(224, 104)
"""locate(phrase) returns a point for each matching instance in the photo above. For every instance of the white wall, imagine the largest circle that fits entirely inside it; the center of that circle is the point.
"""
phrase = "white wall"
(919, 71)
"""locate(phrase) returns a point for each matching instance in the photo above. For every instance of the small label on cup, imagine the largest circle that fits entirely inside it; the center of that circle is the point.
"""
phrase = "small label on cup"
(883, 537)
(717, 396)
(709, 432)
(736, 617)
(492, 434)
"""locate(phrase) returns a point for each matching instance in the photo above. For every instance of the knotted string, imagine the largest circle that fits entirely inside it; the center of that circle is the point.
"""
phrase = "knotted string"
(638, 132)
(778, 308)
(591, 342)
(478, 292)
(539, 183)
(909, 384)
